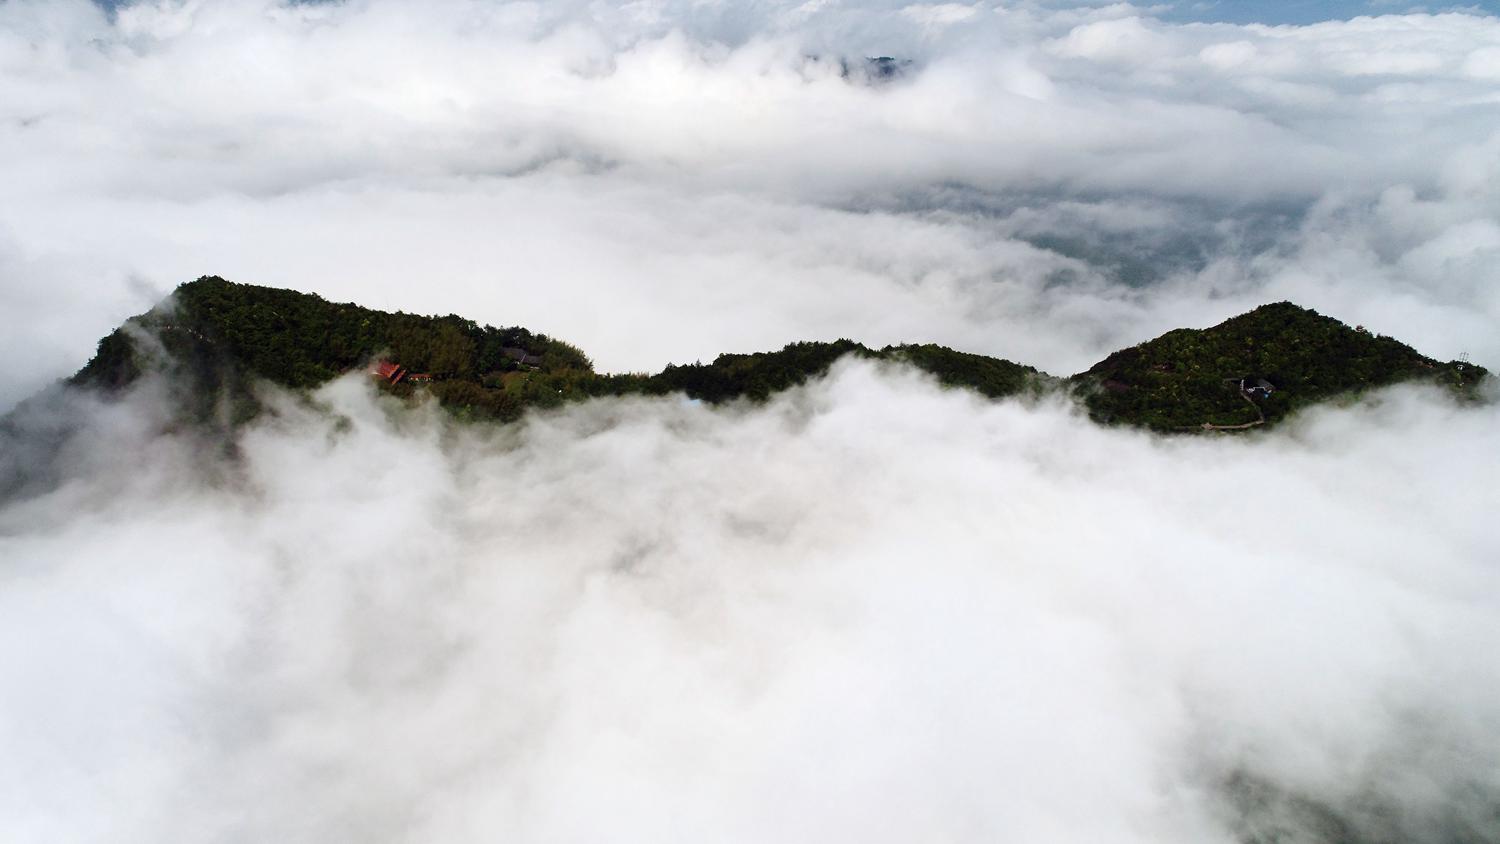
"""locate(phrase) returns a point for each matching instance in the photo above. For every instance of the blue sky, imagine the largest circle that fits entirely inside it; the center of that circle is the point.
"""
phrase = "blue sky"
(1311, 11)
(1269, 11)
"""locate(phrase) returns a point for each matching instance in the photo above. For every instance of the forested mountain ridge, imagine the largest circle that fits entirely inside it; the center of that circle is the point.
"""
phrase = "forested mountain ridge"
(218, 337)
(1253, 369)
(219, 334)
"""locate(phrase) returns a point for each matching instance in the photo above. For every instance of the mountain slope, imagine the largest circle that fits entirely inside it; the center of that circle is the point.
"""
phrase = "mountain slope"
(218, 338)
(1252, 369)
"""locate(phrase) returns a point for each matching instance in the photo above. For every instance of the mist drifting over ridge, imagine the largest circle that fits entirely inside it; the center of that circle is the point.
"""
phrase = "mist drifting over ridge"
(868, 609)
(583, 168)
(871, 608)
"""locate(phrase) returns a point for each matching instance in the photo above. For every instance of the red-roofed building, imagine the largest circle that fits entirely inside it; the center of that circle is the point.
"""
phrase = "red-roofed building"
(390, 372)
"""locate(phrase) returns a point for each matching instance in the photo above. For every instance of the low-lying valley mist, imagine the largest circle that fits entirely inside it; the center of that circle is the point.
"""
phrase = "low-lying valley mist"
(871, 607)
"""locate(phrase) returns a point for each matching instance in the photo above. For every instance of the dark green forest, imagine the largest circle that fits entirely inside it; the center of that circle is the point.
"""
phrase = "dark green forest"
(1189, 377)
(218, 338)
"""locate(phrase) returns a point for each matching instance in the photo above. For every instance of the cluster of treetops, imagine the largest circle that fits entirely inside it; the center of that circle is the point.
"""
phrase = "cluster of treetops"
(219, 338)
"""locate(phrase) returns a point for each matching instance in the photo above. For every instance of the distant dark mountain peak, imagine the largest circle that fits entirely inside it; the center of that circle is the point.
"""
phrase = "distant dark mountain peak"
(866, 70)
(884, 68)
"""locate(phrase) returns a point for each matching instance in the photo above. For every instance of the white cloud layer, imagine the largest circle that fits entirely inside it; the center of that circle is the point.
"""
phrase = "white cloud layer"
(707, 170)
(872, 610)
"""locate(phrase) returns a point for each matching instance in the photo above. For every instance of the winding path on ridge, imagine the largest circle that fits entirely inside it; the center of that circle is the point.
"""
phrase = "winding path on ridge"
(1260, 420)
(1209, 426)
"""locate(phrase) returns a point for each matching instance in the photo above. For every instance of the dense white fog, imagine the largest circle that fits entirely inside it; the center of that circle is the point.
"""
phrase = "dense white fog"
(869, 610)
(872, 610)
(665, 181)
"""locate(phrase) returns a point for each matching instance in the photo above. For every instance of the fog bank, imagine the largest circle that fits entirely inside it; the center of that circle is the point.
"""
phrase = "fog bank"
(666, 181)
(869, 610)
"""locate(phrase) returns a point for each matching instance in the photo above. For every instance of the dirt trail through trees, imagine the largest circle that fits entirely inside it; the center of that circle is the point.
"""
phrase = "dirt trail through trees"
(1209, 426)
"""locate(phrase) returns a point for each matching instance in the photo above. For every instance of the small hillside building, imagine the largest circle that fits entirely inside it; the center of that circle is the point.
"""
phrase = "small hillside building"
(521, 356)
(394, 373)
(1256, 388)
(391, 373)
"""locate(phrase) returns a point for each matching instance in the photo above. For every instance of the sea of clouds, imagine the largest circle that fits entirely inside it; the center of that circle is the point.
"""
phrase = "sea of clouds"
(664, 181)
(869, 610)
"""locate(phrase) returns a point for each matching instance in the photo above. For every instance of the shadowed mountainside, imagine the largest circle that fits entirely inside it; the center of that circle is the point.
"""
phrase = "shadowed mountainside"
(217, 338)
(1254, 369)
